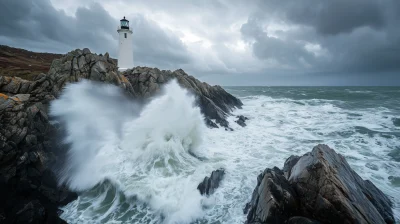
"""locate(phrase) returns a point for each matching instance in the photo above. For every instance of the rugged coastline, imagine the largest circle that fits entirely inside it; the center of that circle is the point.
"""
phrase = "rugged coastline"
(28, 144)
(28, 150)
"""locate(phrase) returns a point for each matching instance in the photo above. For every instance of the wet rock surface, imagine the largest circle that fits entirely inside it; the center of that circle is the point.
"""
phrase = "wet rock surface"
(28, 185)
(215, 103)
(273, 200)
(320, 187)
(28, 188)
(29, 142)
(209, 184)
(241, 120)
(301, 220)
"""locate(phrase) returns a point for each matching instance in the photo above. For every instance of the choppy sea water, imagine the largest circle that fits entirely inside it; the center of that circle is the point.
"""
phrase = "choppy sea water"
(143, 169)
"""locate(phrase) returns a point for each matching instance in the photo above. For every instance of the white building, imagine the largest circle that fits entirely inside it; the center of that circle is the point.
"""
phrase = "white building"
(125, 50)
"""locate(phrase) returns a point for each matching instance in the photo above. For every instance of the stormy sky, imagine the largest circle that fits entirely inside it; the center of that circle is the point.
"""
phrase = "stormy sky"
(226, 42)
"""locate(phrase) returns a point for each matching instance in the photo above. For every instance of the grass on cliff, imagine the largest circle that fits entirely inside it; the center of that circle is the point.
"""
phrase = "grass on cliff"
(24, 64)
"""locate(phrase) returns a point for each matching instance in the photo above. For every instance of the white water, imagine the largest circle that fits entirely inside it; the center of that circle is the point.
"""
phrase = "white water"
(147, 175)
(143, 155)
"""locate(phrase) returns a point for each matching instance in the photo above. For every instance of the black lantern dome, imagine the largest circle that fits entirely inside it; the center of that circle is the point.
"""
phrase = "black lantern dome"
(124, 23)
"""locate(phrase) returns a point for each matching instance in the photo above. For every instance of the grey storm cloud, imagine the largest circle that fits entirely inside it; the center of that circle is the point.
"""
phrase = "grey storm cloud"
(225, 41)
(338, 16)
(38, 25)
(357, 36)
(287, 53)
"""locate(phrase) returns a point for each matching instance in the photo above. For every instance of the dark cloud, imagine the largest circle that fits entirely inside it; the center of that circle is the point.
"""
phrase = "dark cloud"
(355, 37)
(39, 22)
(288, 53)
(261, 41)
(38, 25)
(337, 16)
(364, 50)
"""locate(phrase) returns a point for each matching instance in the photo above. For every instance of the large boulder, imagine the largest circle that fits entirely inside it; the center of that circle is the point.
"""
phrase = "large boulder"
(319, 186)
(215, 103)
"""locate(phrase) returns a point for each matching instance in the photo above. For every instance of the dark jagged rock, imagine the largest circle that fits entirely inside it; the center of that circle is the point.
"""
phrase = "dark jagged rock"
(210, 123)
(241, 120)
(28, 186)
(29, 191)
(81, 64)
(211, 183)
(24, 144)
(324, 188)
(273, 200)
(289, 163)
(301, 220)
(215, 103)
(330, 186)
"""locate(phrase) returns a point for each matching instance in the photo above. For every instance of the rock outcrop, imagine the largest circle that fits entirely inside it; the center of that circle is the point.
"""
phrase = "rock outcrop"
(317, 187)
(29, 148)
(81, 64)
(209, 184)
(215, 103)
(241, 120)
(273, 200)
(28, 186)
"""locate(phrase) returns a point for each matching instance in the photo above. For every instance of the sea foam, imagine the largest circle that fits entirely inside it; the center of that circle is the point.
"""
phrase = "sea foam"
(159, 170)
(143, 151)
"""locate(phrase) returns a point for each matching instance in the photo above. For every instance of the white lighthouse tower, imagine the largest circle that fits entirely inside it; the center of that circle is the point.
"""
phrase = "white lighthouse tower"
(125, 51)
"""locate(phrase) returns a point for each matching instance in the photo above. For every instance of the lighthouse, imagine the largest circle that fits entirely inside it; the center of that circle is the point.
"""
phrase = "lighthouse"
(125, 51)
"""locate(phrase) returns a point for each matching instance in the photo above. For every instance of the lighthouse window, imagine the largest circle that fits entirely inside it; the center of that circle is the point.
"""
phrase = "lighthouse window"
(125, 35)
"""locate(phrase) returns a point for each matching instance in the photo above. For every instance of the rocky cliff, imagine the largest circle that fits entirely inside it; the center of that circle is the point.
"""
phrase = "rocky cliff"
(28, 186)
(28, 140)
(215, 103)
(318, 187)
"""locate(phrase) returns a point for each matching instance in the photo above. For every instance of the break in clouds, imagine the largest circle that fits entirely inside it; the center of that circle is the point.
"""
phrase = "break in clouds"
(304, 42)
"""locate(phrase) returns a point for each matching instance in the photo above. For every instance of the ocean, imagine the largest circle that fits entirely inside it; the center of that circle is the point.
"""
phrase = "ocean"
(142, 169)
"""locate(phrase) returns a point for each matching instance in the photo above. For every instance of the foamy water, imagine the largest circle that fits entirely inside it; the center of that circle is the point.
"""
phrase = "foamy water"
(144, 166)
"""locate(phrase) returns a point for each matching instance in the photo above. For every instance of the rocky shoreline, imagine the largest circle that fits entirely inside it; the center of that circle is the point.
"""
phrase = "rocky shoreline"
(29, 148)
(215, 103)
(317, 187)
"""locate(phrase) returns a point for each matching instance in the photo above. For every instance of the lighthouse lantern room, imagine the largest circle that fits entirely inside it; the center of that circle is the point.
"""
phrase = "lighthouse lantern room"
(125, 51)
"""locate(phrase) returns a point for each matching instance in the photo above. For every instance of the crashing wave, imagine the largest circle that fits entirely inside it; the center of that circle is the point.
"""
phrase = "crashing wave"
(143, 151)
